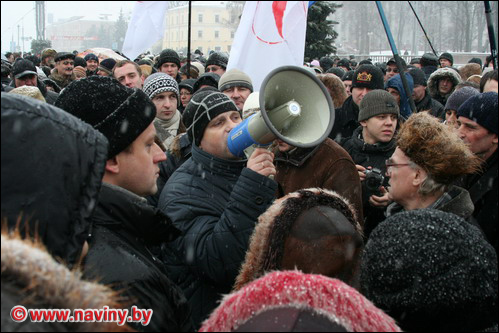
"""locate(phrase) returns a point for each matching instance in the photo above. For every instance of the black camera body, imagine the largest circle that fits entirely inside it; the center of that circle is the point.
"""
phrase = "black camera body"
(374, 180)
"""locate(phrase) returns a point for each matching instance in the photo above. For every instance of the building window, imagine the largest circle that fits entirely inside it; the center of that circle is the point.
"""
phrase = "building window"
(200, 33)
(228, 48)
(217, 18)
(200, 18)
(232, 34)
(217, 34)
(218, 48)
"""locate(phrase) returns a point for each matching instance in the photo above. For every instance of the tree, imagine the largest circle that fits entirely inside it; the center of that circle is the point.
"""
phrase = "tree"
(320, 32)
(38, 45)
(120, 30)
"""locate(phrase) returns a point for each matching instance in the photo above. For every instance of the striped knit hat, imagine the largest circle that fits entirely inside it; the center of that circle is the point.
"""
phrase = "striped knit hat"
(158, 83)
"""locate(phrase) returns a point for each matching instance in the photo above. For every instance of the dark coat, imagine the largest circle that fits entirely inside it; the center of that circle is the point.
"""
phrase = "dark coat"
(484, 194)
(49, 95)
(216, 204)
(125, 228)
(428, 103)
(346, 120)
(52, 167)
(326, 166)
(370, 156)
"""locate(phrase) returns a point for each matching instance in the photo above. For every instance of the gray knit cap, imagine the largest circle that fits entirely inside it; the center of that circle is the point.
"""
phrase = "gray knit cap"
(235, 78)
(460, 96)
(160, 82)
(377, 102)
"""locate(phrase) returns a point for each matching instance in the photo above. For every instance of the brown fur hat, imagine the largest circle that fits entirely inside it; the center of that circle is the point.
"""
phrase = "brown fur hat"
(266, 249)
(470, 69)
(437, 149)
(336, 88)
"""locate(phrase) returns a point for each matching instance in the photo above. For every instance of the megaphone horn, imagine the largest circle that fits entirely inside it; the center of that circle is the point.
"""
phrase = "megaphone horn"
(295, 107)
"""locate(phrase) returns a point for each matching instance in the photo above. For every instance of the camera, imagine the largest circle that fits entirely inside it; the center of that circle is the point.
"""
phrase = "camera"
(374, 180)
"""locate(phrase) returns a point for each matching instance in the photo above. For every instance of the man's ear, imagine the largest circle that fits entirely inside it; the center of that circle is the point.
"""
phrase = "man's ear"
(112, 165)
(494, 140)
(419, 177)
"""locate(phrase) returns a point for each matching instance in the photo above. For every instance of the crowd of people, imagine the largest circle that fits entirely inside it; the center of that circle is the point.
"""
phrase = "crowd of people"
(118, 189)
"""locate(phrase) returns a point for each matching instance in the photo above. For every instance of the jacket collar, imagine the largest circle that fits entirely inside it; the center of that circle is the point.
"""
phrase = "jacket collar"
(296, 156)
(359, 142)
(120, 207)
(215, 164)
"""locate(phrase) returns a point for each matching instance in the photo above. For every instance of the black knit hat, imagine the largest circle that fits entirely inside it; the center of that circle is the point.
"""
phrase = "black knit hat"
(418, 76)
(187, 84)
(118, 112)
(91, 56)
(338, 71)
(431, 271)
(217, 58)
(326, 63)
(107, 65)
(202, 108)
(475, 61)
(447, 56)
(168, 55)
(64, 55)
(368, 76)
(210, 79)
(482, 109)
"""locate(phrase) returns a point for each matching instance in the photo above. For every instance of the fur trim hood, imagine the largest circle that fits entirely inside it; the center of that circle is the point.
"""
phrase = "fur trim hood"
(267, 242)
(29, 271)
(440, 74)
(333, 299)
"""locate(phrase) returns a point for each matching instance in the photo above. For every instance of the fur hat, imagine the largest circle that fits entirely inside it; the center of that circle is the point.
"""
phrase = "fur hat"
(48, 53)
(436, 148)
(235, 78)
(368, 76)
(470, 69)
(336, 86)
(337, 307)
(28, 91)
(91, 56)
(458, 97)
(482, 109)
(158, 83)
(118, 112)
(447, 56)
(429, 59)
(307, 209)
(377, 102)
(168, 55)
(431, 271)
(202, 108)
(217, 58)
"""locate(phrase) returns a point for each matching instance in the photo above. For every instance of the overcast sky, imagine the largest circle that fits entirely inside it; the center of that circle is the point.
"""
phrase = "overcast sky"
(23, 13)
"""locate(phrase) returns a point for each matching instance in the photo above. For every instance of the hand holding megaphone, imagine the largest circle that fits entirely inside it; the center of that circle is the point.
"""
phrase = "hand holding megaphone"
(294, 107)
(262, 162)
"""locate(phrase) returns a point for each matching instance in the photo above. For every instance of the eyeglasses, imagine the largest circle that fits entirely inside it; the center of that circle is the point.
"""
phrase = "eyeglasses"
(389, 164)
(389, 69)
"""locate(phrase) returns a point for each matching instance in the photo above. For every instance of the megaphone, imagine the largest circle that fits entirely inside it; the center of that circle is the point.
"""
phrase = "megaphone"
(294, 107)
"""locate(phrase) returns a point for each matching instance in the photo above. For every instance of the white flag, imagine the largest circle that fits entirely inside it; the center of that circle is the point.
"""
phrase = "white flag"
(271, 34)
(145, 28)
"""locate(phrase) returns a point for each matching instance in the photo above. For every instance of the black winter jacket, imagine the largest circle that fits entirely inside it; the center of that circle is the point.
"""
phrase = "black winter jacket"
(124, 231)
(369, 156)
(216, 204)
(428, 103)
(346, 121)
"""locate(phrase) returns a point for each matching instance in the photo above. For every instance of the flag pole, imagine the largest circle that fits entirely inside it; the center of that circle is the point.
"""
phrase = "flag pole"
(189, 42)
(492, 38)
(395, 52)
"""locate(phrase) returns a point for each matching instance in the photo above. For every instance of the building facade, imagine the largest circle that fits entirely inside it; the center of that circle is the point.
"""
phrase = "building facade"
(211, 28)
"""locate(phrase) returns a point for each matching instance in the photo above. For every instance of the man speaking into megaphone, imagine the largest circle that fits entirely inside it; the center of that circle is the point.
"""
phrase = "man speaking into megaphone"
(215, 199)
